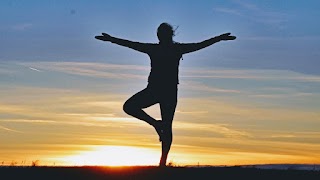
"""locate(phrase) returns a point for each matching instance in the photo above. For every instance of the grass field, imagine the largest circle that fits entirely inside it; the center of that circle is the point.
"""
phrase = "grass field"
(149, 172)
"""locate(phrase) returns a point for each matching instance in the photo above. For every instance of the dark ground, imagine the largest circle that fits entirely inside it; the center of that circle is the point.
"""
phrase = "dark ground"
(153, 173)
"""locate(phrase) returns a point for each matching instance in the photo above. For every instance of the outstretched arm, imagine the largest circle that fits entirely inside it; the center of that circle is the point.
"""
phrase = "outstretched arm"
(142, 47)
(191, 47)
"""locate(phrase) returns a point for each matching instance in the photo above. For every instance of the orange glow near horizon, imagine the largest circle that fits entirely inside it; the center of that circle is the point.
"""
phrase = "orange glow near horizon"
(113, 156)
(137, 156)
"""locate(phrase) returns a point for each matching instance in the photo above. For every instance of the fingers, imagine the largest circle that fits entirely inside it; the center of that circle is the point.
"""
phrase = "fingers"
(99, 37)
(227, 36)
(106, 35)
(103, 37)
(231, 38)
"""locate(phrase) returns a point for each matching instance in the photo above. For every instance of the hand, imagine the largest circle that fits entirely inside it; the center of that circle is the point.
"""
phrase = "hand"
(226, 36)
(104, 37)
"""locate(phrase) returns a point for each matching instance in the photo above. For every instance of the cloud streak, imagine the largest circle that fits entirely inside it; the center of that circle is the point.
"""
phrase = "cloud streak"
(116, 71)
(248, 74)
(195, 86)
(22, 26)
(254, 13)
(9, 130)
(34, 69)
(99, 70)
(222, 129)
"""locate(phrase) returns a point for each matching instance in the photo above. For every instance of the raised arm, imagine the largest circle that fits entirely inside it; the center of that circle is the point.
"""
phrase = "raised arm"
(191, 47)
(141, 47)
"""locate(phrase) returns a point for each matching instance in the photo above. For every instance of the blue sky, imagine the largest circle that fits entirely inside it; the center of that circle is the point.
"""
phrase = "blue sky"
(271, 34)
(255, 98)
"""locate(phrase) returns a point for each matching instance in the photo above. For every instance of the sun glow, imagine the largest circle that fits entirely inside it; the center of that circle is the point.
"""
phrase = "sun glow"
(114, 156)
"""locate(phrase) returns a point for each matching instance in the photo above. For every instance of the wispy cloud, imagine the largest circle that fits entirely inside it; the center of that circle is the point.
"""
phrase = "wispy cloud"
(254, 13)
(283, 136)
(279, 39)
(6, 71)
(223, 129)
(117, 71)
(22, 26)
(34, 69)
(195, 86)
(100, 70)
(251, 74)
(263, 133)
(29, 121)
(224, 111)
(8, 129)
(287, 95)
(7, 68)
(85, 121)
(228, 11)
(191, 112)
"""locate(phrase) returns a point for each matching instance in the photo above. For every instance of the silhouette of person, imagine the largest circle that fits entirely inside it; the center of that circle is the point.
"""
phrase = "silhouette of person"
(163, 79)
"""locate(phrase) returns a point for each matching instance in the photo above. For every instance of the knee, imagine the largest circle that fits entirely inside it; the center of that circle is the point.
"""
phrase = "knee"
(128, 108)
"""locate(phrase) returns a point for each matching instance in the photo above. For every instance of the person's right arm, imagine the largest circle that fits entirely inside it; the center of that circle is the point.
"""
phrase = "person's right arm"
(141, 47)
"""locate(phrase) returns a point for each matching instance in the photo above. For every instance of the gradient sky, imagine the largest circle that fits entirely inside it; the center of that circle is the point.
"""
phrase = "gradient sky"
(251, 101)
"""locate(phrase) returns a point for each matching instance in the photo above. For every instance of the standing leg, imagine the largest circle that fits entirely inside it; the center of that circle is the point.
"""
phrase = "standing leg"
(166, 145)
(168, 108)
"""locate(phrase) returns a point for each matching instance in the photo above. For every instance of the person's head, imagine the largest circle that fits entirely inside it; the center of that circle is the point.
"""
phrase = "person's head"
(165, 33)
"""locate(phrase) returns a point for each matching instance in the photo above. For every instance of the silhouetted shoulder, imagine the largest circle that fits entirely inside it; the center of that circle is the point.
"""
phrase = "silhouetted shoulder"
(191, 47)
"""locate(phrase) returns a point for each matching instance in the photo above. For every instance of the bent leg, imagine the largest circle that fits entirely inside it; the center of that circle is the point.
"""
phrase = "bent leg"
(134, 105)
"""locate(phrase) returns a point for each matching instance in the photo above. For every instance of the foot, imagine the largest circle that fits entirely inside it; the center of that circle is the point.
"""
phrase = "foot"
(159, 128)
(163, 161)
(161, 165)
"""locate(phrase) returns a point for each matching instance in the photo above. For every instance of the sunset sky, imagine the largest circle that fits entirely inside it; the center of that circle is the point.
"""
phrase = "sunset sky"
(254, 100)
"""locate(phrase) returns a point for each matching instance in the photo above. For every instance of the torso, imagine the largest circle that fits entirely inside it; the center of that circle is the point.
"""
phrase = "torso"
(165, 64)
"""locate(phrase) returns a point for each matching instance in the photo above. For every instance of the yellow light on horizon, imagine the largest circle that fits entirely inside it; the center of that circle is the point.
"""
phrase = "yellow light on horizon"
(114, 156)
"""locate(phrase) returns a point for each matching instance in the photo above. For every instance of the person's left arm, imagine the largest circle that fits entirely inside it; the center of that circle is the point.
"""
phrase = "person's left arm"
(191, 47)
